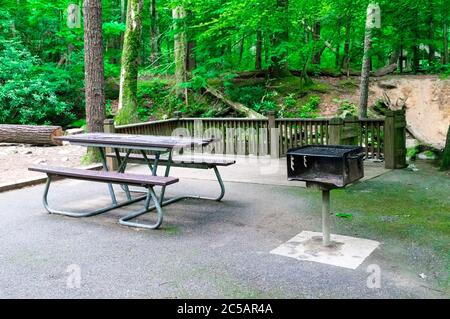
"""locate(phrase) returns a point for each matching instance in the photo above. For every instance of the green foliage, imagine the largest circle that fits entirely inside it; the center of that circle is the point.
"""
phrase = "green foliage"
(81, 123)
(290, 101)
(265, 106)
(412, 152)
(225, 37)
(32, 92)
(310, 109)
(346, 108)
(247, 95)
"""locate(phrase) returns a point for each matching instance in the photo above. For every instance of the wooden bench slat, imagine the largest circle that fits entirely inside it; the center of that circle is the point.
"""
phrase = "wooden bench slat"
(106, 177)
(211, 161)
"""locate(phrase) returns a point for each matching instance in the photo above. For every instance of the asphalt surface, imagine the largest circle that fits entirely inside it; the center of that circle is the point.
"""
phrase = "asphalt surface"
(204, 250)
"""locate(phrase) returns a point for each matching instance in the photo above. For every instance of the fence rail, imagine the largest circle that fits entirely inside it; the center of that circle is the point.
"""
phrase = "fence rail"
(299, 132)
(245, 136)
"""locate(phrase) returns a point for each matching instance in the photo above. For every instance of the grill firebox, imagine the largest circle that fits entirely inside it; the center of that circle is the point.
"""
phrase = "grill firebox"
(335, 166)
(326, 167)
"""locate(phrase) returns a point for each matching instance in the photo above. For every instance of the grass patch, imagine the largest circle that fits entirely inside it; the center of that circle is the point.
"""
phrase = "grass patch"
(171, 230)
(408, 211)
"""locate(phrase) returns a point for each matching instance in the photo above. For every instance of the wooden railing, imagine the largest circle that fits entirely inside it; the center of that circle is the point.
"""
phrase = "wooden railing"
(164, 127)
(245, 136)
(372, 137)
(235, 136)
(299, 132)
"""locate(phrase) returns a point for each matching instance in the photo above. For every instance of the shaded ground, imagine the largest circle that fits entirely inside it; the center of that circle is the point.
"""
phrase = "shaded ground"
(209, 249)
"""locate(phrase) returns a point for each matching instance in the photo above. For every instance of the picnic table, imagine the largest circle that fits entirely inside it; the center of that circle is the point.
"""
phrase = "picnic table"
(154, 151)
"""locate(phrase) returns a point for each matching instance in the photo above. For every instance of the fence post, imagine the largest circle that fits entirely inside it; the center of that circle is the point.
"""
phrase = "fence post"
(273, 135)
(108, 127)
(395, 139)
(335, 128)
(351, 131)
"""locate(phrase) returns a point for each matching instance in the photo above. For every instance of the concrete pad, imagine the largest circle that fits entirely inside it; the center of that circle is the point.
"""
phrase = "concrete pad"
(347, 252)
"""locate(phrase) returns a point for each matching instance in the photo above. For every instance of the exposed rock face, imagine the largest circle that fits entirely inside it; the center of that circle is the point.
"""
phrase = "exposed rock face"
(427, 105)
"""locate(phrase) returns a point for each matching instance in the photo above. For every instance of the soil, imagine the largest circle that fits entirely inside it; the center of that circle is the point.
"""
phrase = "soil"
(16, 158)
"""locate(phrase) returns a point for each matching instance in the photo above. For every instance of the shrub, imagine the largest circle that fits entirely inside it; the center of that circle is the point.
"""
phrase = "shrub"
(346, 108)
(32, 92)
(311, 108)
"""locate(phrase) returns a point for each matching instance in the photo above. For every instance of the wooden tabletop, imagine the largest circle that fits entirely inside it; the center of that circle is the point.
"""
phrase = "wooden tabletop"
(134, 141)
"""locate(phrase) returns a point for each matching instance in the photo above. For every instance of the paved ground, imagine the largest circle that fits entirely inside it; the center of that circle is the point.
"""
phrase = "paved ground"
(205, 249)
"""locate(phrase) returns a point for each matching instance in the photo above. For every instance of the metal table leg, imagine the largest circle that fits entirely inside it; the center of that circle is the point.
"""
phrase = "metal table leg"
(159, 219)
(105, 168)
(83, 214)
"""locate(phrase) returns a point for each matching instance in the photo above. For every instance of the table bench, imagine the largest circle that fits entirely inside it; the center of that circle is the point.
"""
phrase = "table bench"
(187, 161)
(162, 148)
(147, 181)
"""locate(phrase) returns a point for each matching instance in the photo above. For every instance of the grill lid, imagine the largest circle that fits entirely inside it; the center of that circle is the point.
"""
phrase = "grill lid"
(334, 151)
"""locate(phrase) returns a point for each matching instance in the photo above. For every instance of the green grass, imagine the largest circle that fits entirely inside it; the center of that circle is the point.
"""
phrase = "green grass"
(408, 211)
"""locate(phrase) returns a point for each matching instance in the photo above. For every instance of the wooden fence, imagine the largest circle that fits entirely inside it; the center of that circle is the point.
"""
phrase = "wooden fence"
(271, 136)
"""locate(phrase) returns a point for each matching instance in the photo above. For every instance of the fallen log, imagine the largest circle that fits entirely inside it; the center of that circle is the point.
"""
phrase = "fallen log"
(385, 70)
(264, 74)
(30, 134)
(235, 105)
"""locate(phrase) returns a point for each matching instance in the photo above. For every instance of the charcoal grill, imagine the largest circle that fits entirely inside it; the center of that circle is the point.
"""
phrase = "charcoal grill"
(326, 167)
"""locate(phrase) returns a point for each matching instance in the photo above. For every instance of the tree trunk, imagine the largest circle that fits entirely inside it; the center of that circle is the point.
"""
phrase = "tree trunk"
(123, 17)
(93, 63)
(279, 65)
(241, 50)
(431, 48)
(258, 54)
(415, 49)
(445, 58)
(346, 57)
(415, 59)
(154, 34)
(128, 105)
(178, 15)
(365, 74)
(316, 37)
(402, 57)
(338, 45)
(235, 105)
(446, 155)
(191, 62)
(393, 59)
(30, 134)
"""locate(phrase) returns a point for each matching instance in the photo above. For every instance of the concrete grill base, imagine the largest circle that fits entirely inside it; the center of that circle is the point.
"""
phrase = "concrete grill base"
(344, 251)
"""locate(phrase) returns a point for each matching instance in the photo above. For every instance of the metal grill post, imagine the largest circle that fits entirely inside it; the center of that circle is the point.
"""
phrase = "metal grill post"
(326, 217)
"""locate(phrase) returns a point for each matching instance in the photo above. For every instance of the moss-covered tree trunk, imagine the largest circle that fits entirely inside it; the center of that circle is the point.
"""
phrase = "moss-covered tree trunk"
(154, 34)
(446, 156)
(94, 70)
(180, 50)
(366, 63)
(258, 54)
(128, 106)
(316, 38)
